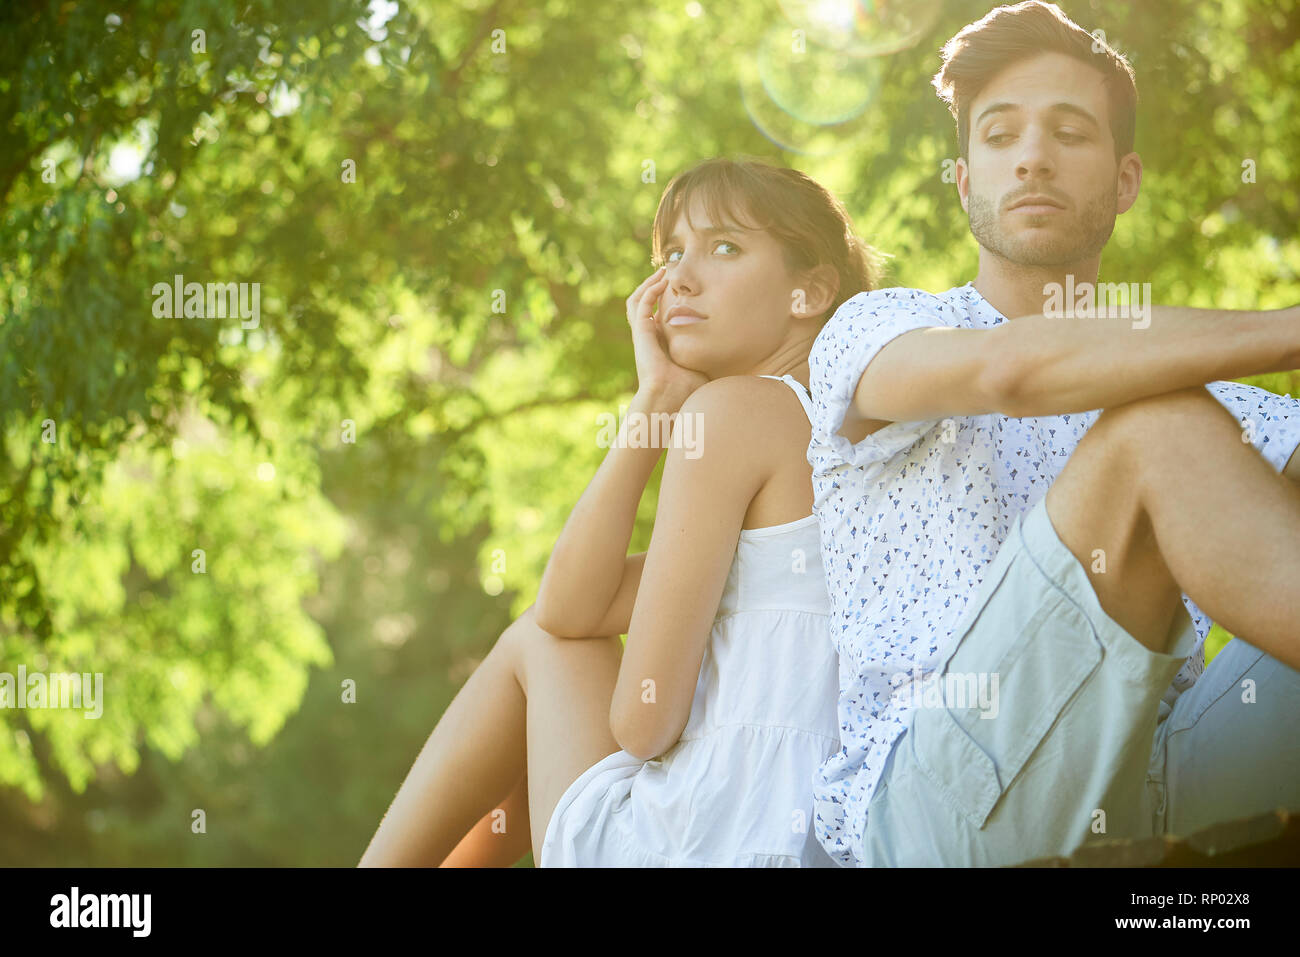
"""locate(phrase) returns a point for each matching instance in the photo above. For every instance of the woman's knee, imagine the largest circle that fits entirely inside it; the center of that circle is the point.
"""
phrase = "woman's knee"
(530, 646)
(522, 632)
(524, 635)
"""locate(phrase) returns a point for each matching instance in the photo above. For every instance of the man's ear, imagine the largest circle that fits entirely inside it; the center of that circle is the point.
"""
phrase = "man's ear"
(1128, 182)
(814, 297)
(963, 182)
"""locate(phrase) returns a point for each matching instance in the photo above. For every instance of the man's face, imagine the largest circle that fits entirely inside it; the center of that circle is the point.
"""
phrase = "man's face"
(1040, 131)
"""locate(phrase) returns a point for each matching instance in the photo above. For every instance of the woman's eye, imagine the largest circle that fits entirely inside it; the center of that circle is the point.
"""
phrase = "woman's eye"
(997, 138)
(720, 242)
(1070, 136)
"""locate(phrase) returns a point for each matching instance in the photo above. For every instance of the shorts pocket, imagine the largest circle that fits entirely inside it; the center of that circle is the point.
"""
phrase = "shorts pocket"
(1005, 687)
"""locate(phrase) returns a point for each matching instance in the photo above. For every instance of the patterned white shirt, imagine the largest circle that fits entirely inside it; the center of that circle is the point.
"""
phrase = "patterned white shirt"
(912, 515)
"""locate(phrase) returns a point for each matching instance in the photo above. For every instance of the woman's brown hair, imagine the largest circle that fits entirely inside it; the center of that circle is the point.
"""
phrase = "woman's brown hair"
(811, 225)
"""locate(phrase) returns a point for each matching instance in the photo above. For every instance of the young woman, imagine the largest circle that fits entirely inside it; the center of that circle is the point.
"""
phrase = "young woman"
(695, 745)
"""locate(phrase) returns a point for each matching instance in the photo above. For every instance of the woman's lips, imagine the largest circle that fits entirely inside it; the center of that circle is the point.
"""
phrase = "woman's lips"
(684, 320)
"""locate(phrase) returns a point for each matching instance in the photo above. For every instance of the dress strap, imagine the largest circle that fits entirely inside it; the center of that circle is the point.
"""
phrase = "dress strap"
(804, 398)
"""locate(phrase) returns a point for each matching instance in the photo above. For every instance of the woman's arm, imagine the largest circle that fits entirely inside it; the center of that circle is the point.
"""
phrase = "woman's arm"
(702, 506)
(590, 582)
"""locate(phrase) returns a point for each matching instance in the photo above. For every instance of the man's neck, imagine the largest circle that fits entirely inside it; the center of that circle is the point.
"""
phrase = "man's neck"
(1016, 290)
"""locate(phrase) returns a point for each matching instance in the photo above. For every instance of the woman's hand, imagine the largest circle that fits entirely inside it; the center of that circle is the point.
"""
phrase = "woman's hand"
(662, 385)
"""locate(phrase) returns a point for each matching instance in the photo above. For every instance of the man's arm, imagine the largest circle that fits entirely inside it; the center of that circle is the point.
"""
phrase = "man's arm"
(1049, 366)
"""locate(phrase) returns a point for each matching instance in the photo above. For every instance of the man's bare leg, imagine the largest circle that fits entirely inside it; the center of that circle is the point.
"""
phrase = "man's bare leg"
(1162, 497)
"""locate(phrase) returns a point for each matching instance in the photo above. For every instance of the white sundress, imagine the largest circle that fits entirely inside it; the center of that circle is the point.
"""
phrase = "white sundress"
(736, 789)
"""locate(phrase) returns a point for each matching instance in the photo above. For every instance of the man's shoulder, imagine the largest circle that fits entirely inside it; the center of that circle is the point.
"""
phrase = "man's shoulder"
(865, 322)
(951, 307)
(891, 297)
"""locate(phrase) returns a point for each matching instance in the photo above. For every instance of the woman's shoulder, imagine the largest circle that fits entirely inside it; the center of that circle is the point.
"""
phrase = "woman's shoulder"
(748, 412)
(748, 398)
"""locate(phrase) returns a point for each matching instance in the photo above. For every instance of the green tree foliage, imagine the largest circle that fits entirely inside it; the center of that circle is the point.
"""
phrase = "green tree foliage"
(444, 206)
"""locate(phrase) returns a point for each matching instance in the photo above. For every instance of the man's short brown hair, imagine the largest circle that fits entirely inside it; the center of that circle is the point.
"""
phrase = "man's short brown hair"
(984, 48)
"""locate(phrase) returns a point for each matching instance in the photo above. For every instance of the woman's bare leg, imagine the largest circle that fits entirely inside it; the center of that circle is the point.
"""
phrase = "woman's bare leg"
(494, 733)
(470, 761)
(568, 684)
(500, 838)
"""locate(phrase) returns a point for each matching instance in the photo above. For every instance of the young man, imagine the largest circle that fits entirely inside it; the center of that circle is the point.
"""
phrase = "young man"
(1007, 565)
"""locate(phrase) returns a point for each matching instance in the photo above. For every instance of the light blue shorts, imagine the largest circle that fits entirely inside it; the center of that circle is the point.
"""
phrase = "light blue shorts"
(1078, 741)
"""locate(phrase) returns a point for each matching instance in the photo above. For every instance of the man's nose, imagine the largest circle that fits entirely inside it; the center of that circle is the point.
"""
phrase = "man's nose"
(1035, 159)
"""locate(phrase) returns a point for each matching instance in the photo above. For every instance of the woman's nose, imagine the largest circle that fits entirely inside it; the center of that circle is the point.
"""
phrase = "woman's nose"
(681, 276)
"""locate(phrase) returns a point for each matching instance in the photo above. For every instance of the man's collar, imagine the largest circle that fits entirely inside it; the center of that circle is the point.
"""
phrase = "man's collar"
(978, 301)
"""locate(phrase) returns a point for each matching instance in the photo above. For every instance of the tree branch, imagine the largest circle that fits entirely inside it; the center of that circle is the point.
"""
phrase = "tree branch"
(481, 32)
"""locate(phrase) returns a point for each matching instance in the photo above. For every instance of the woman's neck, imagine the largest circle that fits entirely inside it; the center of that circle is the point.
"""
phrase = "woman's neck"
(791, 359)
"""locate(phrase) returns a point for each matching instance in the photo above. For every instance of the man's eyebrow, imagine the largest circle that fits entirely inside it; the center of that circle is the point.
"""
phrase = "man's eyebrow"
(993, 108)
(1075, 111)
(711, 231)
(1071, 108)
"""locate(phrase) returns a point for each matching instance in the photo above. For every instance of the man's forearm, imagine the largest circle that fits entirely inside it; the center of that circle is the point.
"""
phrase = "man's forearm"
(1056, 366)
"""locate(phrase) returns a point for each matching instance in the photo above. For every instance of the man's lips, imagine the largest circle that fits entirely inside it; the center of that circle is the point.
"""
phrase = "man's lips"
(1037, 205)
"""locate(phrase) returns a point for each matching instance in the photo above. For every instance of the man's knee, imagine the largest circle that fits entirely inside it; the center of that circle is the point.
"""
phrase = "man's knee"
(1128, 441)
(1159, 419)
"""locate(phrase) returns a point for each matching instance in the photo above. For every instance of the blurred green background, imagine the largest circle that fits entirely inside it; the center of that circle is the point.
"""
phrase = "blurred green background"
(445, 205)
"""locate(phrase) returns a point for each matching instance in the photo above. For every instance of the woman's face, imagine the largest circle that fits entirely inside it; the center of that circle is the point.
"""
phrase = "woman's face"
(731, 300)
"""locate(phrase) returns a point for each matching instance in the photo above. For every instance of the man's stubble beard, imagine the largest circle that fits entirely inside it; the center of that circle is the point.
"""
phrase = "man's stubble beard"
(1085, 237)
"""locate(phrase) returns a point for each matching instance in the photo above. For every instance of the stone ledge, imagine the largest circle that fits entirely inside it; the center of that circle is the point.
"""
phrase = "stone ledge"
(1271, 839)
